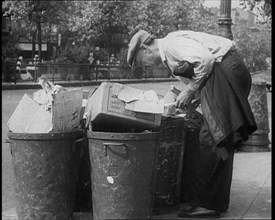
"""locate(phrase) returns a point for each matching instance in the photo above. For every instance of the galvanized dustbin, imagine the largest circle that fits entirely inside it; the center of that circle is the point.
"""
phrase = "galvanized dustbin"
(169, 167)
(123, 174)
(259, 140)
(45, 168)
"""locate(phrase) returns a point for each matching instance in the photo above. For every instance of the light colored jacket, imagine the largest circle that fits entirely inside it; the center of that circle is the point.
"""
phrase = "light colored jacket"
(198, 48)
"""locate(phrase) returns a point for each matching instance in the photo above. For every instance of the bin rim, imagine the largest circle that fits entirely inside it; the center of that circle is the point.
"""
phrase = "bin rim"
(45, 136)
(123, 136)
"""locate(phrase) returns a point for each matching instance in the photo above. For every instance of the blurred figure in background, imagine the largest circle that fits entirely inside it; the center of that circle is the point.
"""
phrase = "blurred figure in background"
(18, 67)
(113, 59)
(92, 63)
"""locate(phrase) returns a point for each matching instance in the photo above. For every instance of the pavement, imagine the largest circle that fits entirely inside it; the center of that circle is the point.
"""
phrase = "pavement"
(250, 191)
(251, 184)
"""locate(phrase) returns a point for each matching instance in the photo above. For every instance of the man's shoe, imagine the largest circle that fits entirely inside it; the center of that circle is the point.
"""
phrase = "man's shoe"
(6, 140)
(198, 212)
(186, 207)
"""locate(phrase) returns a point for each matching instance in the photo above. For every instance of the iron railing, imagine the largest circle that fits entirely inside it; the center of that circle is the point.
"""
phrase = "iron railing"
(68, 72)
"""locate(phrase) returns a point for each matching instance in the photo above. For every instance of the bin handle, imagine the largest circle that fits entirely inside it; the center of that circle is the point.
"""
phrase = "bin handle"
(7, 140)
(108, 146)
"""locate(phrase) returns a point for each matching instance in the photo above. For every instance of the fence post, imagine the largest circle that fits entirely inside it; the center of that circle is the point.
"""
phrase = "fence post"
(35, 76)
(83, 73)
(66, 71)
(109, 72)
(54, 71)
(96, 72)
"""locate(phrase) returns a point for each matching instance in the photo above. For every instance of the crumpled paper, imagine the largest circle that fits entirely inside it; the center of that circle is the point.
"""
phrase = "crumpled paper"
(44, 96)
(141, 101)
(52, 109)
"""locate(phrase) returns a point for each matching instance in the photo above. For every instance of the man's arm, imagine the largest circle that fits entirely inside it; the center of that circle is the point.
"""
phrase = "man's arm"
(197, 62)
(184, 49)
(184, 69)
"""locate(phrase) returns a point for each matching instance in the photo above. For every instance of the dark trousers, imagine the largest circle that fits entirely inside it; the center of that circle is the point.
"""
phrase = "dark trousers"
(212, 175)
(228, 120)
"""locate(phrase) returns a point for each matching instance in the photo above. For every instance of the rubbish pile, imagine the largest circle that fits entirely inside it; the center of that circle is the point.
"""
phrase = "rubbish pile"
(111, 107)
(51, 109)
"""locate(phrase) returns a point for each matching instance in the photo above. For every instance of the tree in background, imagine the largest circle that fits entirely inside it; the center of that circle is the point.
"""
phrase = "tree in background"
(91, 19)
(255, 46)
(88, 20)
(84, 22)
(255, 43)
(263, 9)
(40, 15)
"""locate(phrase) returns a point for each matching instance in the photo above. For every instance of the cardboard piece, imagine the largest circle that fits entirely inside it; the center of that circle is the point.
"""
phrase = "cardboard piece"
(108, 104)
(27, 118)
(66, 110)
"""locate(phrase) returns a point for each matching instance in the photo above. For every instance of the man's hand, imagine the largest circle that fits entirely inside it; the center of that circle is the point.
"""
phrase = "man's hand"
(184, 99)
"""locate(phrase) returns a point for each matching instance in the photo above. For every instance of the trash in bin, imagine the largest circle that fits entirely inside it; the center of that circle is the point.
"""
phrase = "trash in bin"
(44, 96)
(118, 106)
(30, 117)
(169, 101)
(52, 109)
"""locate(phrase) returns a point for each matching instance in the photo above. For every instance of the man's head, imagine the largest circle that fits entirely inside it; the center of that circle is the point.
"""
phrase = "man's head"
(142, 51)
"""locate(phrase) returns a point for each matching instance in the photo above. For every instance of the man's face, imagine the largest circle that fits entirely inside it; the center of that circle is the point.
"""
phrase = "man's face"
(145, 57)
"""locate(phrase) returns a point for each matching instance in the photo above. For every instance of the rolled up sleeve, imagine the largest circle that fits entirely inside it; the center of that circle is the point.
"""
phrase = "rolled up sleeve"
(202, 69)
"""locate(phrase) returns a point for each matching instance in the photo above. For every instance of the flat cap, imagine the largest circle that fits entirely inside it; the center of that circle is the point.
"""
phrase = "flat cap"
(137, 40)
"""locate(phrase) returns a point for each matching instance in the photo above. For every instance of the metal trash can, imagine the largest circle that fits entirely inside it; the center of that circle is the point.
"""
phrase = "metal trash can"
(169, 167)
(259, 140)
(123, 174)
(45, 168)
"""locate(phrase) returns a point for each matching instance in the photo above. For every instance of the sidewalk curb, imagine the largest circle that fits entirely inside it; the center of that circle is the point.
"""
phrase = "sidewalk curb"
(33, 85)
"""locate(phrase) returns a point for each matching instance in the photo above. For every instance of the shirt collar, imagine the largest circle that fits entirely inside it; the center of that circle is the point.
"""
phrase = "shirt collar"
(161, 53)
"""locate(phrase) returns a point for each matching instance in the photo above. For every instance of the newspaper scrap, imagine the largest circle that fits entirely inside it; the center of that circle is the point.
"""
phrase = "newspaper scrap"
(141, 101)
(44, 96)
